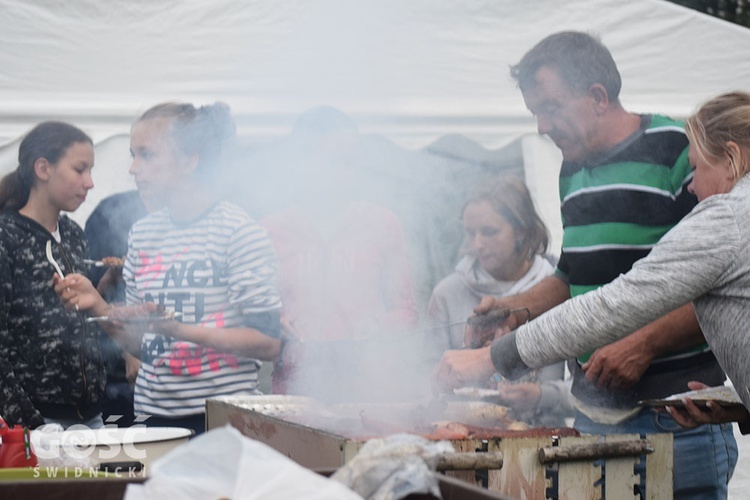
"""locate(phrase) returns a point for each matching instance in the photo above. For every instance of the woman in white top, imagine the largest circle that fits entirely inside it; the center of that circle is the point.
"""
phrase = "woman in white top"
(505, 241)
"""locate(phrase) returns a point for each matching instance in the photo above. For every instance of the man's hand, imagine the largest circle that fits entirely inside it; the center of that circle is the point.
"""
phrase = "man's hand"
(488, 303)
(482, 333)
(622, 364)
(619, 365)
(462, 368)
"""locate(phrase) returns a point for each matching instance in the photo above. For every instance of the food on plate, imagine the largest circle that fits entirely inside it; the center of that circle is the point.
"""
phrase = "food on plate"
(106, 262)
(113, 261)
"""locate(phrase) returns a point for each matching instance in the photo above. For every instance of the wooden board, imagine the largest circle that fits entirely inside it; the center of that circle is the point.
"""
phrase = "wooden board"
(576, 479)
(522, 476)
(620, 476)
(660, 467)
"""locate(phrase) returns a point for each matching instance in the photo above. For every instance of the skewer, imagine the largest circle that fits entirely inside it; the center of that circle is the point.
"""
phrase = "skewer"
(99, 263)
(95, 263)
(494, 316)
(138, 319)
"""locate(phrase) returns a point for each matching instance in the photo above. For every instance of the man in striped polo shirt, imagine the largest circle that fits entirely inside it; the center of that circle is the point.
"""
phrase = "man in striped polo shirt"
(622, 187)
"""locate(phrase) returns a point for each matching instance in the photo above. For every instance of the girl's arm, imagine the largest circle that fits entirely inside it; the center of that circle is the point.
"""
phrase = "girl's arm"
(246, 342)
(251, 271)
(76, 292)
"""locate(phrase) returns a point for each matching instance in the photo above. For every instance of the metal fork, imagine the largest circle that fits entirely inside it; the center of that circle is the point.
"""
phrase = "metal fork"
(54, 263)
(52, 260)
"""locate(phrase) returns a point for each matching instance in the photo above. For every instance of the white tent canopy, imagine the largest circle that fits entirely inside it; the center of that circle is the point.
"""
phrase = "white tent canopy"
(411, 71)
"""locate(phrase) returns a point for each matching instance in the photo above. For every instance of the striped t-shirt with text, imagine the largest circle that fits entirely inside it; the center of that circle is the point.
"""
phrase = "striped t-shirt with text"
(219, 271)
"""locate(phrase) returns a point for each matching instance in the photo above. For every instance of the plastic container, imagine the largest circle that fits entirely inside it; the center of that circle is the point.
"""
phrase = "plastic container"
(15, 449)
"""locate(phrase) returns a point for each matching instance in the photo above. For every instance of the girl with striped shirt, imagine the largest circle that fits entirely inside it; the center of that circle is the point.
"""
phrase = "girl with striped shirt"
(200, 257)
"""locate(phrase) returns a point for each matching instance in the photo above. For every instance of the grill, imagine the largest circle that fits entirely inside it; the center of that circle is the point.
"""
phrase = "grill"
(534, 463)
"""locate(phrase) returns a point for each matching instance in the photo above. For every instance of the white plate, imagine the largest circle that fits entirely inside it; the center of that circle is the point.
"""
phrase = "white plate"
(109, 444)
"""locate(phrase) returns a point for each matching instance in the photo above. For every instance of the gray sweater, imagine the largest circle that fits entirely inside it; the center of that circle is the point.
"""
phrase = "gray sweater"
(704, 259)
(456, 296)
(454, 300)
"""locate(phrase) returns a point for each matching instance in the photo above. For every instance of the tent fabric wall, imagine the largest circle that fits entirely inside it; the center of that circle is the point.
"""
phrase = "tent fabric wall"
(410, 70)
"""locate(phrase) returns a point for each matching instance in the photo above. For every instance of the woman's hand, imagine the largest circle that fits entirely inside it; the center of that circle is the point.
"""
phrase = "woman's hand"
(476, 336)
(521, 397)
(77, 293)
(692, 415)
(462, 368)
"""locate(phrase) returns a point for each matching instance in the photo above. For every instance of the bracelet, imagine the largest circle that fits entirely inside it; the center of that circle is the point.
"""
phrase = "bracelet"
(528, 314)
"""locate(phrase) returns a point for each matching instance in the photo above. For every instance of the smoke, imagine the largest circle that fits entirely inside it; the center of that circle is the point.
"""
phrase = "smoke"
(387, 369)
(363, 230)
(345, 275)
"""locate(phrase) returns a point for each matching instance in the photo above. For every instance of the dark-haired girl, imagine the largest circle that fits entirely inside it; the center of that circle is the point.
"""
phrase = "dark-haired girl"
(50, 366)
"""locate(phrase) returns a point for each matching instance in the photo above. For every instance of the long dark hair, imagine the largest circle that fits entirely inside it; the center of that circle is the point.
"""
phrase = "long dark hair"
(49, 140)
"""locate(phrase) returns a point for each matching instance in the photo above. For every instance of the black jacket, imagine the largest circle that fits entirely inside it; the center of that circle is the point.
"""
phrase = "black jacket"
(50, 364)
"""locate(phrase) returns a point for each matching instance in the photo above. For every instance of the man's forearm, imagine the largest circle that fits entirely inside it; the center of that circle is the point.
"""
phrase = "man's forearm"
(540, 298)
(672, 332)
